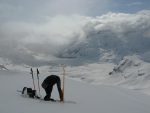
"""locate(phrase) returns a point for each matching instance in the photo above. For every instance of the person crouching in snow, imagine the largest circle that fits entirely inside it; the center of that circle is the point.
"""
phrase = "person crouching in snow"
(48, 84)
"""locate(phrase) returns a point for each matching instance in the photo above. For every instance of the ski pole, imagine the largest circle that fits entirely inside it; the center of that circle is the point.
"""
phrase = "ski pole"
(38, 82)
(32, 78)
(63, 88)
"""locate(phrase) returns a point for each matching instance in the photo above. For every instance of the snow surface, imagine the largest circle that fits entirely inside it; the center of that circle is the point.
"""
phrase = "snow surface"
(89, 98)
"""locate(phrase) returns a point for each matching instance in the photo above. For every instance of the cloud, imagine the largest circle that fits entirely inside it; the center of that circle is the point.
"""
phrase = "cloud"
(75, 36)
(26, 43)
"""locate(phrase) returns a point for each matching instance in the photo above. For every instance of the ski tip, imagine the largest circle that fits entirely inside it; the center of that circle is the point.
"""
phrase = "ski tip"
(38, 71)
(31, 70)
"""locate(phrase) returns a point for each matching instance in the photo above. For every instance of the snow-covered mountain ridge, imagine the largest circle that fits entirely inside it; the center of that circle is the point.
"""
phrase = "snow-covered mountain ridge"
(131, 73)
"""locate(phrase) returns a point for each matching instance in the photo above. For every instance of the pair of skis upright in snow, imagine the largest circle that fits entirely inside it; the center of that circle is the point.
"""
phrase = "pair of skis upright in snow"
(37, 79)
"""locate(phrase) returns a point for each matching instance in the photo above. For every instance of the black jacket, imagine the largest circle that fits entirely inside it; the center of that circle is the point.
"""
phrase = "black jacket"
(50, 81)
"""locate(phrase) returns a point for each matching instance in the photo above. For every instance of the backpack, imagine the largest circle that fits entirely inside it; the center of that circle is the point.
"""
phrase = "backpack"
(29, 92)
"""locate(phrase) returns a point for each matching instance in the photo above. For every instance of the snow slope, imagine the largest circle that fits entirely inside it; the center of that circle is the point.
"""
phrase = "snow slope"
(88, 98)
